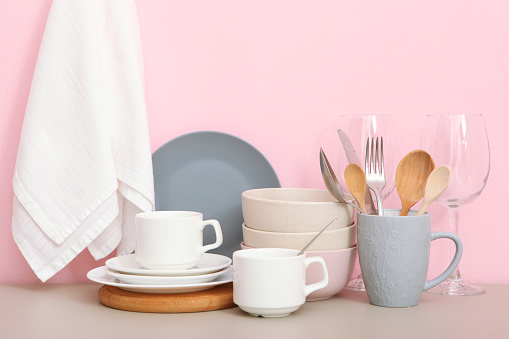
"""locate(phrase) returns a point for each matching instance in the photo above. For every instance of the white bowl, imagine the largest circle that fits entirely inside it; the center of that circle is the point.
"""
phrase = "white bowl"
(293, 210)
(340, 238)
(340, 265)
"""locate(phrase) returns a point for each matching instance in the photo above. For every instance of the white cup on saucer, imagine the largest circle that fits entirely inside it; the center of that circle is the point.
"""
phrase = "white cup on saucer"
(172, 240)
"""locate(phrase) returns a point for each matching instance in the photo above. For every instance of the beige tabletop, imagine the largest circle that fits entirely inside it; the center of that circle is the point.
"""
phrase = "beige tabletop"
(73, 311)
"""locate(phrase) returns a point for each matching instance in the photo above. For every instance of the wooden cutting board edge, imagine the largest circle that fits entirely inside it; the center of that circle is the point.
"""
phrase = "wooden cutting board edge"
(216, 298)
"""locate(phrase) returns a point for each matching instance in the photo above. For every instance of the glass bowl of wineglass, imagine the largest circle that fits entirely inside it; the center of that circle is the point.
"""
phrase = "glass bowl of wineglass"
(461, 142)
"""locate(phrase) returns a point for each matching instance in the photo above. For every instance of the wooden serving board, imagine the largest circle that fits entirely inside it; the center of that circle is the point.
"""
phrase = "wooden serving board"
(216, 298)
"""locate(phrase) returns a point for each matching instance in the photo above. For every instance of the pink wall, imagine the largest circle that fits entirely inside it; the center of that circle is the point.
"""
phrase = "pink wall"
(279, 73)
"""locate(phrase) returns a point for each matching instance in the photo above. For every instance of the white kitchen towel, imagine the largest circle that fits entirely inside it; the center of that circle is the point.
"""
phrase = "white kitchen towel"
(84, 166)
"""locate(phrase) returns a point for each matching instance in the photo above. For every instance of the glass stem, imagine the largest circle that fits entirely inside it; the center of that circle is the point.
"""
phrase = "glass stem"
(454, 218)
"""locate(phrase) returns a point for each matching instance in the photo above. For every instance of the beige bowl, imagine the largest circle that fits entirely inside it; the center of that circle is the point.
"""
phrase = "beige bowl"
(293, 210)
(340, 264)
(329, 240)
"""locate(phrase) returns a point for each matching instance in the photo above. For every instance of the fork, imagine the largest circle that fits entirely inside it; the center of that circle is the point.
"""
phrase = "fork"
(374, 169)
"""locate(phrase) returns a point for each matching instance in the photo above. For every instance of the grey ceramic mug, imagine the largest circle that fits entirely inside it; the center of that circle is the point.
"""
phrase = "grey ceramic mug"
(394, 256)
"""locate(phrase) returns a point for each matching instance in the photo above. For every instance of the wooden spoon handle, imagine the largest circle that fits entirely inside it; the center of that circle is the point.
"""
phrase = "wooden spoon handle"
(405, 207)
(423, 208)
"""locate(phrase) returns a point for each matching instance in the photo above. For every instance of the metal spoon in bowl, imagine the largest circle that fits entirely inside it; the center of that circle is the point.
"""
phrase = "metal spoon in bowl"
(316, 236)
(331, 182)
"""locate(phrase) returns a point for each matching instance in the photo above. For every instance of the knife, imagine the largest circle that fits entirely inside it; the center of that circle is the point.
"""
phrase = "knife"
(352, 157)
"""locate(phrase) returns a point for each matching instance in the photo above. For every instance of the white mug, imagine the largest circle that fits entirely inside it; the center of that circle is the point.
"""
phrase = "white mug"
(172, 239)
(271, 282)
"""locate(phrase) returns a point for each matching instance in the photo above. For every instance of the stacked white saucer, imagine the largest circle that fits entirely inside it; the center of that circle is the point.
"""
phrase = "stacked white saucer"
(126, 273)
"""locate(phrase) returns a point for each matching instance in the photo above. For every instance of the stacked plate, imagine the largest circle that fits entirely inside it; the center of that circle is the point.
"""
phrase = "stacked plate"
(126, 273)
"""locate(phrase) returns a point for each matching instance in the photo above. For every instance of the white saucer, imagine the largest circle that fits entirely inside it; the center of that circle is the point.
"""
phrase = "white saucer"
(209, 263)
(100, 276)
(162, 280)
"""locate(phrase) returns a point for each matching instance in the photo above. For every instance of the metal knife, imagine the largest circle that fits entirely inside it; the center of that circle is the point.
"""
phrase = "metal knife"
(352, 157)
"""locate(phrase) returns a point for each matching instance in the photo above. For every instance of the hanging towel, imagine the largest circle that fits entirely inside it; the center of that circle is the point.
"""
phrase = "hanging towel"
(84, 166)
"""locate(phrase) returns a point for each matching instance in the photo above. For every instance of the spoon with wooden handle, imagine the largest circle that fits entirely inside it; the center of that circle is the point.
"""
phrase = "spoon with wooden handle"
(437, 183)
(411, 176)
(356, 182)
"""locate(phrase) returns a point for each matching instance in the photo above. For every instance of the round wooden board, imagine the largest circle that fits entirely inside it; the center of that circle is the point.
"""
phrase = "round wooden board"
(216, 298)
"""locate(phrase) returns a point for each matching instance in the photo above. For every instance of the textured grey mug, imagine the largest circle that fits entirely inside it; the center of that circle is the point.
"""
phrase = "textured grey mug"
(394, 256)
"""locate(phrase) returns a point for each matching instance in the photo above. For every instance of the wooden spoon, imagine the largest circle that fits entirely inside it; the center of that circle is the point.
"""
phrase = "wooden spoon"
(411, 176)
(356, 182)
(437, 183)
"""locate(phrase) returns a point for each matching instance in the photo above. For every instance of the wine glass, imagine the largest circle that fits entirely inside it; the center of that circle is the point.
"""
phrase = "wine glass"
(461, 142)
(358, 128)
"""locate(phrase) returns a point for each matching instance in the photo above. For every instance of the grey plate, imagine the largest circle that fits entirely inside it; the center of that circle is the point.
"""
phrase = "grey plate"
(207, 172)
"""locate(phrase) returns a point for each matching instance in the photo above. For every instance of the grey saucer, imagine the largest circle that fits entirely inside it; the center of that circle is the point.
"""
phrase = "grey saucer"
(207, 172)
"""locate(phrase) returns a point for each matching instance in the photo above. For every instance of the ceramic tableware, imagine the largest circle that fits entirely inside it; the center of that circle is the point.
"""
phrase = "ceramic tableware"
(161, 280)
(340, 265)
(394, 256)
(207, 171)
(100, 276)
(329, 240)
(271, 282)
(172, 239)
(208, 263)
(293, 210)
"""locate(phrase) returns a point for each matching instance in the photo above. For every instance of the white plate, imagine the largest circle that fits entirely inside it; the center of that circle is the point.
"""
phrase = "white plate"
(209, 263)
(100, 276)
(161, 280)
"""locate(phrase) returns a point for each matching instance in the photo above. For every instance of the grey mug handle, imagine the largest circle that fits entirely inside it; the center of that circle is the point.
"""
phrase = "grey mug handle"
(454, 263)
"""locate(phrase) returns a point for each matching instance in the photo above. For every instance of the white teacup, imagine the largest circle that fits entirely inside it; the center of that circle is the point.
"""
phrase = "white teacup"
(172, 240)
(271, 282)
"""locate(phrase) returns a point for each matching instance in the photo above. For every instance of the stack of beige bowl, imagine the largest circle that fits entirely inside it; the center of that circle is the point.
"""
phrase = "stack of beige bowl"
(291, 217)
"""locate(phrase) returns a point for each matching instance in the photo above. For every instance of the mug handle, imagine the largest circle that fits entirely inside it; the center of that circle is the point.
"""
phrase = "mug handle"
(325, 280)
(455, 261)
(219, 235)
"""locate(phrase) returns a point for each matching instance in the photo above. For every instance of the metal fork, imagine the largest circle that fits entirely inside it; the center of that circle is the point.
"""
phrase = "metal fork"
(374, 169)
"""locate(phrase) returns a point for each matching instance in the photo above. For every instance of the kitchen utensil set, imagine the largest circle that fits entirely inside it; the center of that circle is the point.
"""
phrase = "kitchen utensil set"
(412, 177)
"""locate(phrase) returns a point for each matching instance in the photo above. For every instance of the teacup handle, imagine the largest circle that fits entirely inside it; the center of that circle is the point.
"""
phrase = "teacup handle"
(455, 261)
(219, 235)
(325, 280)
